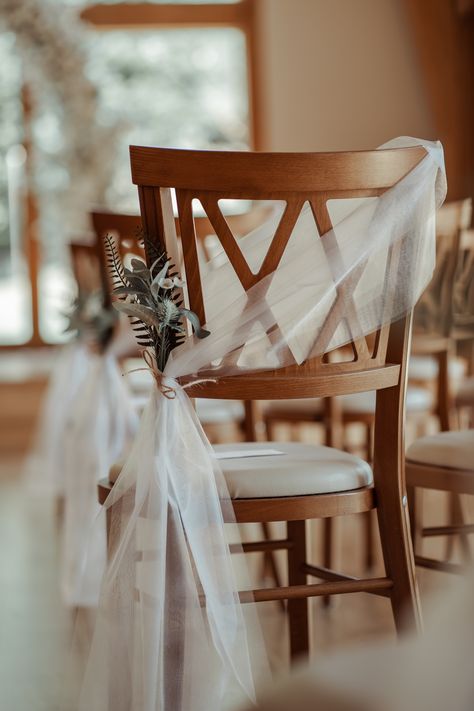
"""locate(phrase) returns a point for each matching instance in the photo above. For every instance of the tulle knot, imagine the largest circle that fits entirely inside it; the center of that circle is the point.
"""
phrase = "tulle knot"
(169, 391)
(162, 381)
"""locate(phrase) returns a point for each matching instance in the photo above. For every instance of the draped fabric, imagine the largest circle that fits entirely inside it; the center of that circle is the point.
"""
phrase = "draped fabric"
(171, 634)
(87, 421)
(44, 467)
(100, 426)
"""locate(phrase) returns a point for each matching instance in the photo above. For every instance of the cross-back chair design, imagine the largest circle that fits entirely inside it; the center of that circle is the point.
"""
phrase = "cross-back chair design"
(86, 266)
(299, 179)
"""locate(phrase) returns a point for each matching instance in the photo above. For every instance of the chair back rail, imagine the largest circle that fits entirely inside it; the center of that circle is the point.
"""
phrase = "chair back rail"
(125, 230)
(86, 266)
(210, 176)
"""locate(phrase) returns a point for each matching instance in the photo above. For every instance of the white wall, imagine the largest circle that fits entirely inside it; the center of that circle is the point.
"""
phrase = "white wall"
(338, 74)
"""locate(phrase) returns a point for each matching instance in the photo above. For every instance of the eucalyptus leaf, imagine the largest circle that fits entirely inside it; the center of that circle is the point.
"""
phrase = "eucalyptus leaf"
(156, 262)
(162, 273)
(143, 313)
(130, 291)
(135, 280)
(138, 265)
(196, 324)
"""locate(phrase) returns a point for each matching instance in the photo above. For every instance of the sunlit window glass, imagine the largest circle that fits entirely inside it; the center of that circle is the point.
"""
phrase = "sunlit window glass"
(15, 293)
(170, 87)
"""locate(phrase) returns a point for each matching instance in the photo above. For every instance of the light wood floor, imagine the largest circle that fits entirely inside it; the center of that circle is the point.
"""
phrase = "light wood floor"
(39, 668)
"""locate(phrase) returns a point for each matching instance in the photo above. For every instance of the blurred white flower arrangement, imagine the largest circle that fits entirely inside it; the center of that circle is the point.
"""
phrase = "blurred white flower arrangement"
(49, 40)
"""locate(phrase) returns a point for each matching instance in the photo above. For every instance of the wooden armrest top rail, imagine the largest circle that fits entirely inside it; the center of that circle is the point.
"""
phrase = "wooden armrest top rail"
(254, 387)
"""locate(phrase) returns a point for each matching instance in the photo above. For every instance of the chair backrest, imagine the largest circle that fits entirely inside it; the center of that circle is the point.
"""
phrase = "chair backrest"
(126, 232)
(86, 267)
(297, 179)
(463, 302)
(434, 315)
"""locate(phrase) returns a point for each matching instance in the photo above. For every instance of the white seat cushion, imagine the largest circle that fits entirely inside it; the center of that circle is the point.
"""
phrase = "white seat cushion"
(301, 470)
(418, 400)
(445, 449)
(465, 393)
(424, 368)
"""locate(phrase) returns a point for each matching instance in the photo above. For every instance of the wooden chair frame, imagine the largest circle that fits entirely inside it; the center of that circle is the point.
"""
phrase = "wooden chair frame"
(299, 178)
(456, 482)
(440, 342)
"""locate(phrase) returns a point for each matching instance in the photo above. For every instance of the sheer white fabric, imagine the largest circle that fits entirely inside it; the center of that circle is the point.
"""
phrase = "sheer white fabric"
(45, 465)
(171, 633)
(100, 426)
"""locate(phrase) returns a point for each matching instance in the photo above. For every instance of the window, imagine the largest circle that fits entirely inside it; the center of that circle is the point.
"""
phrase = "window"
(172, 74)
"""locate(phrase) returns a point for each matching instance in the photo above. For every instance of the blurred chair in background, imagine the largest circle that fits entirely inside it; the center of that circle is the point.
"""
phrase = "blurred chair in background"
(445, 462)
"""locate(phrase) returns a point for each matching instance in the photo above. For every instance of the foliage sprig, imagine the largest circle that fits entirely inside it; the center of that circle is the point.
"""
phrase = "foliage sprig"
(152, 298)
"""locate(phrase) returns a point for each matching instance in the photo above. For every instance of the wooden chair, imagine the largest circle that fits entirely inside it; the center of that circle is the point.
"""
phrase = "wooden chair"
(434, 339)
(463, 331)
(444, 462)
(434, 316)
(90, 276)
(297, 178)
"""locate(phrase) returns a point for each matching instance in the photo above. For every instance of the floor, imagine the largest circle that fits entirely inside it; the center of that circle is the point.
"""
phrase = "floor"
(40, 669)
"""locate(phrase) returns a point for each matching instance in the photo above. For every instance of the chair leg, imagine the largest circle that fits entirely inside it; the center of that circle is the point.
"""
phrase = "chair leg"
(414, 512)
(368, 523)
(328, 547)
(268, 429)
(297, 608)
(457, 519)
(269, 559)
(399, 561)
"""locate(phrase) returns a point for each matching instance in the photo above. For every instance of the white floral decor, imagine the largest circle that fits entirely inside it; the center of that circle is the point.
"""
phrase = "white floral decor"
(49, 41)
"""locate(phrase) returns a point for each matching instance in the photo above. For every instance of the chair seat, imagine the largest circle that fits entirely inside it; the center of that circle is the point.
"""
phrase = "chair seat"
(454, 450)
(301, 470)
(417, 400)
(425, 368)
(465, 393)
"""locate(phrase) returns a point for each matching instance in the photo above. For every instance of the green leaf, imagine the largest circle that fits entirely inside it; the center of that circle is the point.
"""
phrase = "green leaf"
(196, 324)
(130, 291)
(143, 313)
(138, 265)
